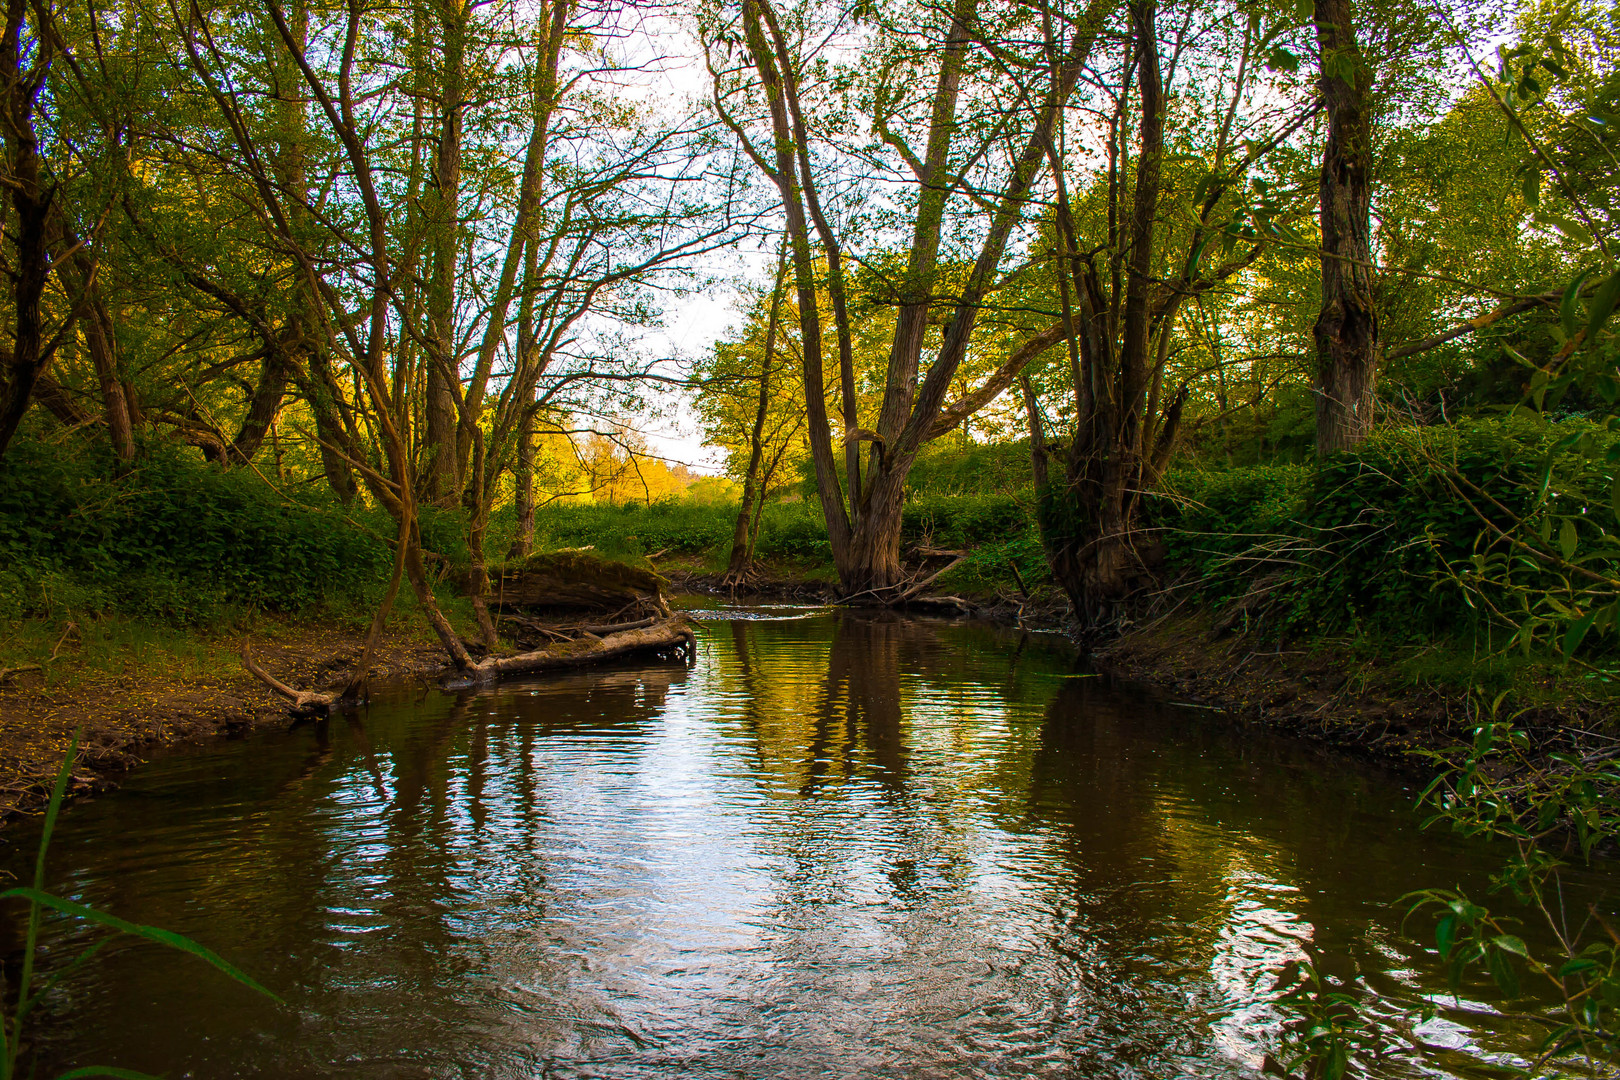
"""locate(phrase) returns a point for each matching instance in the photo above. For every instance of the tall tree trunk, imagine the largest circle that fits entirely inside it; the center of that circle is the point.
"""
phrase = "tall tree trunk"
(518, 266)
(1091, 532)
(20, 84)
(444, 476)
(523, 482)
(99, 337)
(1346, 332)
(319, 388)
(737, 566)
(263, 406)
(310, 357)
(863, 520)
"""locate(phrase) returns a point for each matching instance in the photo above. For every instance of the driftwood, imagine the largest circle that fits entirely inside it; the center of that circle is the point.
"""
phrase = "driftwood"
(667, 635)
(662, 636)
(8, 672)
(302, 700)
(565, 632)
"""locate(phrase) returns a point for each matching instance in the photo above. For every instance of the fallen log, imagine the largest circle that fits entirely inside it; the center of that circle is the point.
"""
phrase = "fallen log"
(561, 631)
(672, 634)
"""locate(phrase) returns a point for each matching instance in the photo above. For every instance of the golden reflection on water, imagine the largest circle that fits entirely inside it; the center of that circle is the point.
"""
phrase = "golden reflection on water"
(839, 844)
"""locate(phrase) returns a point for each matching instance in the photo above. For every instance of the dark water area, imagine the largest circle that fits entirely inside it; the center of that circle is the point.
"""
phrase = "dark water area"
(839, 844)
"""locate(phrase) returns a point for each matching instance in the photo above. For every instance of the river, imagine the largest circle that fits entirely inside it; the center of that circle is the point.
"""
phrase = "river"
(839, 844)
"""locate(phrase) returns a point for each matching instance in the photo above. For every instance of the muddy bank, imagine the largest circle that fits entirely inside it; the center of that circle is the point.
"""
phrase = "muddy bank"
(1045, 609)
(127, 715)
(1321, 692)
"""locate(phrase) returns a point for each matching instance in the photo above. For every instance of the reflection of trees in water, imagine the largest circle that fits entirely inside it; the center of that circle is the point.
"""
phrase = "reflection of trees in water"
(347, 874)
(934, 821)
(1222, 854)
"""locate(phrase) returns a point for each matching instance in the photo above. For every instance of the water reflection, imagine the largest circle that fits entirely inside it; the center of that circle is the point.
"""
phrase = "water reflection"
(840, 844)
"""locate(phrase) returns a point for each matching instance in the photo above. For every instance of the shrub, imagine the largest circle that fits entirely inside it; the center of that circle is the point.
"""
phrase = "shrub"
(1374, 537)
(175, 539)
(966, 520)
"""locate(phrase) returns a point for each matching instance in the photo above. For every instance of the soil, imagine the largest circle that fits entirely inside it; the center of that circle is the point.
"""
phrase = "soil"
(1323, 693)
(126, 716)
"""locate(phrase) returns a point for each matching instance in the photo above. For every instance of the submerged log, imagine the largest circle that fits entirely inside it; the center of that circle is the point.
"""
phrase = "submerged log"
(669, 635)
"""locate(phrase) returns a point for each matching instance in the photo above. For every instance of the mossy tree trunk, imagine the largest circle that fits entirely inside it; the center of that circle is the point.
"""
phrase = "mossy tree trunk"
(1346, 330)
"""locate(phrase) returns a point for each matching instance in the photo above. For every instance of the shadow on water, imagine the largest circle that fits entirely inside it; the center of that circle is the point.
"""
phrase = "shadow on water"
(842, 843)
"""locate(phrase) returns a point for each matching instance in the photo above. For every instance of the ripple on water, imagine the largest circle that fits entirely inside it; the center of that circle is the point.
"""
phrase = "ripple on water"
(840, 844)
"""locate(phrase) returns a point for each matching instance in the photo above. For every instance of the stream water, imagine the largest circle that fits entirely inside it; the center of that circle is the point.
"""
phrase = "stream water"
(838, 845)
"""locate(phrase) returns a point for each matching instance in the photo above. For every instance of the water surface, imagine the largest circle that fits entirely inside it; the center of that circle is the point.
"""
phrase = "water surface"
(838, 845)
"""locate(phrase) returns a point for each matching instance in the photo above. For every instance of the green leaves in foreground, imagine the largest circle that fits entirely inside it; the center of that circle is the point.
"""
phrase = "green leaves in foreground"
(150, 933)
(1328, 1031)
(11, 1027)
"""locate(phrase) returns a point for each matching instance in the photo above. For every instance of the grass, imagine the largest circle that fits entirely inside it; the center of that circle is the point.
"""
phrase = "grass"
(75, 651)
(13, 1026)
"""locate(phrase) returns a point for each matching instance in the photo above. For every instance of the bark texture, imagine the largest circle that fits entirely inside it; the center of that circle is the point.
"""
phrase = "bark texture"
(1346, 331)
(23, 64)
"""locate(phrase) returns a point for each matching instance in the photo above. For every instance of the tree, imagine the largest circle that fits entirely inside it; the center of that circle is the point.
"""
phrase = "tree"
(24, 67)
(1346, 331)
(1013, 100)
(750, 407)
(1150, 235)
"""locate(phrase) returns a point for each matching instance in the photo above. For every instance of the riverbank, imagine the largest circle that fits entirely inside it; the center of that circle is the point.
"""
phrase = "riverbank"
(1386, 701)
(132, 697)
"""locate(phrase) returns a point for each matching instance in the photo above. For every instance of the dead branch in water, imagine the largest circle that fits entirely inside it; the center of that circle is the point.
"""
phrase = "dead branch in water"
(303, 700)
(646, 636)
(669, 634)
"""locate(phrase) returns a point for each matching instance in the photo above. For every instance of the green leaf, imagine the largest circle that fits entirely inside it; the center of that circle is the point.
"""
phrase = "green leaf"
(1546, 481)
(1577, 632)
(1569, 316)
(150, 933)
(1282, 60)
(1575, 967)
(1566, 225)
(1444, 933)
(1501, 969)
(1568, 539)
(1601, 306)
(106, 1070)
(1532, 186)
(1514, 945)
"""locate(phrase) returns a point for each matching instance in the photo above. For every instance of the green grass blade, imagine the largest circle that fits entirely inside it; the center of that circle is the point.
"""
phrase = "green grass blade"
(23, 1007)
(106, 1070)
(150, 933)
(13, 1042)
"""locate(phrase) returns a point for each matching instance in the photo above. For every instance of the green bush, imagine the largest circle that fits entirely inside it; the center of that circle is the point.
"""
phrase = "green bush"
(1371, 540)
(173, 540)
(966, 520)
(949, 468)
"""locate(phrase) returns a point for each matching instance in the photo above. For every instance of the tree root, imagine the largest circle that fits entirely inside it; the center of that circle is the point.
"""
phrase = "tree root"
(302, 700)
(669, 635)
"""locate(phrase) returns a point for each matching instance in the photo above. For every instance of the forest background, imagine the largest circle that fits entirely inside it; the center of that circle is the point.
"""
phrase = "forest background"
(1300, 311)
(1290, 322)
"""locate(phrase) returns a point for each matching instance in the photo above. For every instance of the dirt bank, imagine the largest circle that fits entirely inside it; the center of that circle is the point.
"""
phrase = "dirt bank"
(128, 714)
(1324, 692)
